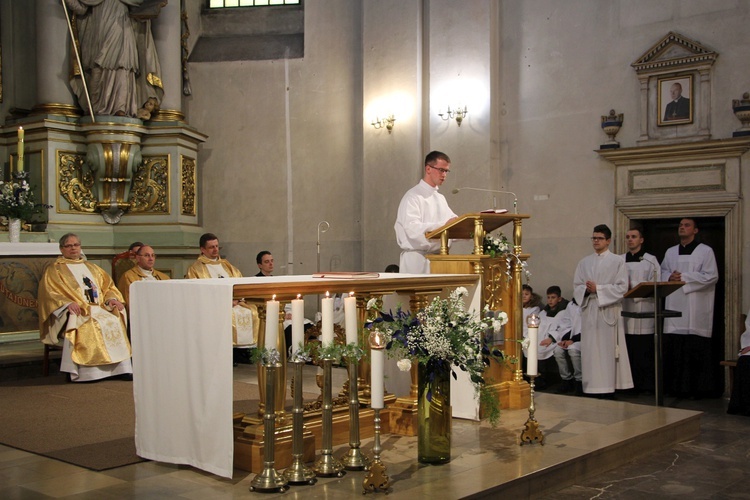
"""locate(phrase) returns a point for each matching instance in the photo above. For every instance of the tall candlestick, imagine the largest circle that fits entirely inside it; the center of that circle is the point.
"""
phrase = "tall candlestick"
(532, 351)
(327, 320)
(19, 166)
(350, 315)
(298, 324)
(272, 323)
(377, 376)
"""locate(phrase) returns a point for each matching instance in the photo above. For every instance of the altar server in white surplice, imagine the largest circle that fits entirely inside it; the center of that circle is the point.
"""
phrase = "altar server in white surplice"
(80, 307)
(423, 209)
(210, 265)
(639, 332)
(688, 365)
(600, 281)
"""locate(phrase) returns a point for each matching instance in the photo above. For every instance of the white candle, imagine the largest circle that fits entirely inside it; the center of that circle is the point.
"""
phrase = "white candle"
(272, 323)
(327, 320)
(350, 315)
(19, 166)
(377, 384)
(298, 323)
(532, 351)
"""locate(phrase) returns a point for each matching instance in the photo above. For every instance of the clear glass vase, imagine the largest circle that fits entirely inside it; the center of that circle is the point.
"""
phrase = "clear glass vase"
(14, 230)
(434, 414)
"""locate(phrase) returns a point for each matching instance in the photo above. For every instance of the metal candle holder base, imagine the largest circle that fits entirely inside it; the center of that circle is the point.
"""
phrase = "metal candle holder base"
(327, 465)
(376, 479)
(531, 433)
(298, 473)
(354, 459)
(269, 480)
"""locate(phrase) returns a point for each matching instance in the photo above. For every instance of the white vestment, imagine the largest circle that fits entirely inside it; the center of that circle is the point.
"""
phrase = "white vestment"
(422, 209)
(604, 355)
(695, 300)
(569, 321)
(639, 272)
(745, 337)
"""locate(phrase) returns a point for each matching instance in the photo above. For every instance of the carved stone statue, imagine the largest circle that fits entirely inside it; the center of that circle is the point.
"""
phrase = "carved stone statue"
(118, 56)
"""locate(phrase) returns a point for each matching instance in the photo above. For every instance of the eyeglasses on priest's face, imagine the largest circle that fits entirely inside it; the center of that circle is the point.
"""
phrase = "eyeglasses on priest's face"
(445, 171)
(71, 245)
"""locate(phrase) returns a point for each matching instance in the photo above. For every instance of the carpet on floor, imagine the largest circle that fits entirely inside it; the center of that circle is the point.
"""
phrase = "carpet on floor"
(91, 425)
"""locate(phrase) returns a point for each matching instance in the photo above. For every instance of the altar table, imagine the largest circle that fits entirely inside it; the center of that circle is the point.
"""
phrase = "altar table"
(182, 356)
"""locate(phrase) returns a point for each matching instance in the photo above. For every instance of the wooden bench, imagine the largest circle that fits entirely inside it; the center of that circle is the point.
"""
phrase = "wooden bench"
(732, 364)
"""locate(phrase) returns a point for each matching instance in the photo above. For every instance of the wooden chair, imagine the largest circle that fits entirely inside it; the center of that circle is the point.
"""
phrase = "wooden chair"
(121, 263)
(45, 360)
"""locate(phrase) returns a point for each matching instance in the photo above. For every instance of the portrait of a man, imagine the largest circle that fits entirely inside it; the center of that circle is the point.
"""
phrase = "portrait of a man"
(674, 100)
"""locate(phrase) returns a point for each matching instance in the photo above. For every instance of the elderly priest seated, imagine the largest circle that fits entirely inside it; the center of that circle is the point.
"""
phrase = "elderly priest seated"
(80, 307)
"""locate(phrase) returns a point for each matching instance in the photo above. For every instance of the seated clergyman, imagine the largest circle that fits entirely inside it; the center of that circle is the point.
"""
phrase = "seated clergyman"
(80, 306)
(209, 264)
(145, 258)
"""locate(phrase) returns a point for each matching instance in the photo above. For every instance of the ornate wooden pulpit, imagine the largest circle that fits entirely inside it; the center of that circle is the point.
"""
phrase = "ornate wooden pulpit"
(501, 290)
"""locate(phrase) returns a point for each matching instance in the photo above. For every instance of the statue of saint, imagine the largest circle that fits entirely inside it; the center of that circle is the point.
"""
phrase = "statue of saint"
(118, 56)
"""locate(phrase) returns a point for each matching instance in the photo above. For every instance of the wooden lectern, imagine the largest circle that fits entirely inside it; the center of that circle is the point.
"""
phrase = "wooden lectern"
(501, 290)
(657, 291)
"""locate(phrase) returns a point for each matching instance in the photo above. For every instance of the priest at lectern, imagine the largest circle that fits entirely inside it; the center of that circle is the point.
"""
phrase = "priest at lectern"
(423, 209)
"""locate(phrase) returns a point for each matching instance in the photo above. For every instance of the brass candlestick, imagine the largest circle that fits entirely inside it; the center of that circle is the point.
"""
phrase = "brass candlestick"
(327, 465)
(298, 473)
(376, 478)
(269, 479)
(354, 459)
(531, 433)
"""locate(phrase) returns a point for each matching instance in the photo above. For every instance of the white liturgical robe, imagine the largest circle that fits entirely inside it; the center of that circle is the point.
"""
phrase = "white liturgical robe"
(639, 272)
(695, 300)
(422, 209)
(604, 355)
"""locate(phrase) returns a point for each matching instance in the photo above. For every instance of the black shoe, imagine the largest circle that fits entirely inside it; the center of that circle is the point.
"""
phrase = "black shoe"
(579, 388)
(566, 386)
(127, 377)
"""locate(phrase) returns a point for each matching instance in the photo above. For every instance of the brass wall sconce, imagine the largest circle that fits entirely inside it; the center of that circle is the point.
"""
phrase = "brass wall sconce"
(386, 123)
(459, 114)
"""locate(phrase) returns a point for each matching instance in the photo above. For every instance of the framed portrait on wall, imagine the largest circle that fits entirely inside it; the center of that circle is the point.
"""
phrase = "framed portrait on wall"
(675, 100)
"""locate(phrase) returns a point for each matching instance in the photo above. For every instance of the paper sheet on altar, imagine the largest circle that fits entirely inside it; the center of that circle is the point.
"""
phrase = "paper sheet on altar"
(182, 382)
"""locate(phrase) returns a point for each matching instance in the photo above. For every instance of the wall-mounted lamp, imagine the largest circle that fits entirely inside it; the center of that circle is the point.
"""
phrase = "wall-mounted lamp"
(458, 114)
(387, 122)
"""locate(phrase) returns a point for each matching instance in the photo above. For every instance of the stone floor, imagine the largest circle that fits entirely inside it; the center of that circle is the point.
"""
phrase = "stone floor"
(713, 464)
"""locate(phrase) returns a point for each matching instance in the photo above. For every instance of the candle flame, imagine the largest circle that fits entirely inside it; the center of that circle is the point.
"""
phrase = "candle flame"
(299, 296)
(351, 294)
(328, 294)
(274, 297)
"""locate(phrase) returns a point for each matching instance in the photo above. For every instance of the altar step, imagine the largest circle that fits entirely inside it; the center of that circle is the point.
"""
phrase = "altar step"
(20, 360)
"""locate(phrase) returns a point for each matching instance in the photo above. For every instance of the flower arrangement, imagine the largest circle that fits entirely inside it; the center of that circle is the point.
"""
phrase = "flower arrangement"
(17, 198)
(495, 246)
(443, 333)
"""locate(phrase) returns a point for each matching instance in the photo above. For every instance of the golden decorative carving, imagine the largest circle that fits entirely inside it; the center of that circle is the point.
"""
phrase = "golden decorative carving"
(75, 184)
(150, 186)
(167, 115)
(187, 198)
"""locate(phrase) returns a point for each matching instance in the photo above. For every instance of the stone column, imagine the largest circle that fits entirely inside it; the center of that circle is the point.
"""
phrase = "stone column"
(52, 61)
(166, 31)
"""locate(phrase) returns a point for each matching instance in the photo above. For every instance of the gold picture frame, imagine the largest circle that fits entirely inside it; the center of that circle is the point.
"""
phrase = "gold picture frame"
(675, 100)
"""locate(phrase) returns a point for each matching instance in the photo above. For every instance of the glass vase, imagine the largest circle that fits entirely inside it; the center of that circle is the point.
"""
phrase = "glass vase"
(434, 412)
(14, 230)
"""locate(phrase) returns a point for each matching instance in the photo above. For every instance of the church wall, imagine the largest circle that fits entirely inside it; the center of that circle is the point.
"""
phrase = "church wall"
(253, 145)
(564, 65)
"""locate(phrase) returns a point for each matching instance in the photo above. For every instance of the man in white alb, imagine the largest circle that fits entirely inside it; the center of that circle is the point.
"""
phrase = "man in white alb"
(80, 306)
(639, 332)
(600, 281)
(423, 209)
(210, 265)
(688, 364)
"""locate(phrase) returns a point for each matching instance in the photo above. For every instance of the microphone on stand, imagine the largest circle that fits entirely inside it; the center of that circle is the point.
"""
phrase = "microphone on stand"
(515, 198)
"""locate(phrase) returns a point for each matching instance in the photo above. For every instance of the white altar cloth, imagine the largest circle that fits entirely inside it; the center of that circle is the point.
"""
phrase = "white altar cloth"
(182, 364)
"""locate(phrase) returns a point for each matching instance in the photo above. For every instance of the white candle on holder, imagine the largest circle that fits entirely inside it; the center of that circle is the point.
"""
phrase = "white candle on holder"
(532, 352)
(298, 323)
(350, 316)
(377, 376)
(327, 320)
(272, 323)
